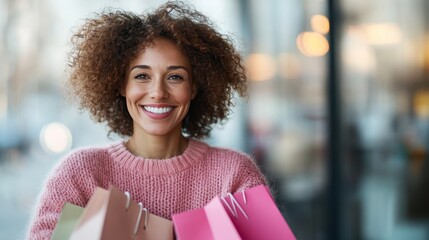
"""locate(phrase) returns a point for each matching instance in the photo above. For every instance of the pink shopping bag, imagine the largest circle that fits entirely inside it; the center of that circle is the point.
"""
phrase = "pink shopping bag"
(196, 225)
(255, 215)
(251, 214)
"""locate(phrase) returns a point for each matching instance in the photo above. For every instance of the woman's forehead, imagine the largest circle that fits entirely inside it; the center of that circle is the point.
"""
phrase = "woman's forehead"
(164, 50)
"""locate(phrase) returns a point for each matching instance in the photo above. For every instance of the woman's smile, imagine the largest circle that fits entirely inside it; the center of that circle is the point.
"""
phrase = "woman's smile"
(157, 110)
(157, 113)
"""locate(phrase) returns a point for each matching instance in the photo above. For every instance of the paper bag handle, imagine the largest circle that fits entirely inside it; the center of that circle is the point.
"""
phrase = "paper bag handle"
(142, 209)
(234, 203)
(127, 205)
(136, 227)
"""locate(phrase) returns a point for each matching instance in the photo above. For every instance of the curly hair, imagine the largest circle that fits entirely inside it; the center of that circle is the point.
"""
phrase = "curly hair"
(106, 44)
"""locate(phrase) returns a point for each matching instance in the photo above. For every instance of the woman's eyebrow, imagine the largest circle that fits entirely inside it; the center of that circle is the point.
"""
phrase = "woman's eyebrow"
(174, 67)
(177, 67)
(140, 66)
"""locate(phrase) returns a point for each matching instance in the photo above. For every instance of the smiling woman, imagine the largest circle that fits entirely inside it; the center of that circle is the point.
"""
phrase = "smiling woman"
(160, 80)
(214, 64)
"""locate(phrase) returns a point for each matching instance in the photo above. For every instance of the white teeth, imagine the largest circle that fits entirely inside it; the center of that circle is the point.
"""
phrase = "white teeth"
(158, 110)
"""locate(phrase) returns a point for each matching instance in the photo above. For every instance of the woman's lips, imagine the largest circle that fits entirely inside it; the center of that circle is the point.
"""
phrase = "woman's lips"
(155, 112)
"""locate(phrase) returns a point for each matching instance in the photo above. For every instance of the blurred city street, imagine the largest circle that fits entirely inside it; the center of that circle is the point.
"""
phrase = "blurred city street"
(337, 115)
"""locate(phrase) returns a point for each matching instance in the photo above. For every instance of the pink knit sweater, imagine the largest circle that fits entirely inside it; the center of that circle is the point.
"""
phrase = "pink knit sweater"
(165, 187)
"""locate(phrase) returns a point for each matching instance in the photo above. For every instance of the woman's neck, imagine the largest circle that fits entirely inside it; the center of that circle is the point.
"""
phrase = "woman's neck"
(157, 147)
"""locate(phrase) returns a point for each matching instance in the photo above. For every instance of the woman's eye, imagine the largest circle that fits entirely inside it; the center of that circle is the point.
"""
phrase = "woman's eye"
(175, 77)
(142, 76)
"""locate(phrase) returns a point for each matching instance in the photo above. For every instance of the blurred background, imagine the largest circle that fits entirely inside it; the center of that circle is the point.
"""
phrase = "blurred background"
(338, 114)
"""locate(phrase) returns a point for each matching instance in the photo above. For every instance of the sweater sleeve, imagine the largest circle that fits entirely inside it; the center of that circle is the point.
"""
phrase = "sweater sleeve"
(62, 186)
(249, 174)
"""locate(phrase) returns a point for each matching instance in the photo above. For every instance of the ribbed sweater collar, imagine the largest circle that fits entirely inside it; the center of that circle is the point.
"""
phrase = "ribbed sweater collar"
(194, 154)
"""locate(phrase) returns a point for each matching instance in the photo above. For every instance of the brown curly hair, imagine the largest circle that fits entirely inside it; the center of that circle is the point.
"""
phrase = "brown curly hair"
(105, 45)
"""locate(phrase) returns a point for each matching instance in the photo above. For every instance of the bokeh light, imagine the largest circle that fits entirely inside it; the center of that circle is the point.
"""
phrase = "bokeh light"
(312, 44)
(421, 103)
(55, 138)
(382, 33)
(320, 23)
(261, 67)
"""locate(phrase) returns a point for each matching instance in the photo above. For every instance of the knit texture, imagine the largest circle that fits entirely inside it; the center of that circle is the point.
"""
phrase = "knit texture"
(165, 187)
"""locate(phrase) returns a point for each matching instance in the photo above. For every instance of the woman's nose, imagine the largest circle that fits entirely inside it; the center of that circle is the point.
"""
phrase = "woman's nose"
(158, 90)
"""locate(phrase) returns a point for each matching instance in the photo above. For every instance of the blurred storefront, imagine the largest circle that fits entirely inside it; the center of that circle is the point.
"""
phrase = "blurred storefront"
(384, 77)
(381, 71)
(380, 64)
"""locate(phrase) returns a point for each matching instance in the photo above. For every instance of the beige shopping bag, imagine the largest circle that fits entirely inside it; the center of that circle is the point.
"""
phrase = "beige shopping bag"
(69, 217)
(112, 214)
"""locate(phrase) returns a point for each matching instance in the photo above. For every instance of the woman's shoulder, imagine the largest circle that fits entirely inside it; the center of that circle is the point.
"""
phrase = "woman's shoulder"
(87, 155)
(89, 151)
(229, 154)
(241, 166)
(226, 151)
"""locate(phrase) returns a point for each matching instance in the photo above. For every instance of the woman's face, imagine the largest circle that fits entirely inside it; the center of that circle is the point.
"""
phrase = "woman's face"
(159, 89)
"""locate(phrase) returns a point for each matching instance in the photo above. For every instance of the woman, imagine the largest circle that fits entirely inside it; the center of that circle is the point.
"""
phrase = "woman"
(160, 80)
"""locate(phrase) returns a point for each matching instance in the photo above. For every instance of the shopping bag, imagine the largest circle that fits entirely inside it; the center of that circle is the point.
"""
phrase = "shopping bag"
(69, 216)
(249, 215)
(255, 215)
(112, 214)
(195, 224)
